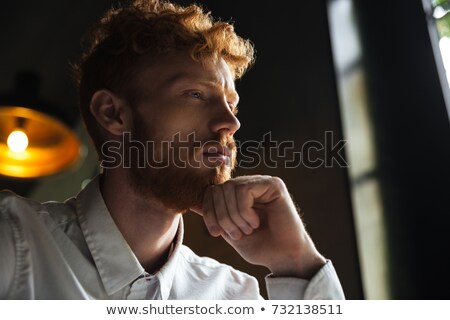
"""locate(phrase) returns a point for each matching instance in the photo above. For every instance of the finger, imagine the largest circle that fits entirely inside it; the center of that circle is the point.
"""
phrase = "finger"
(209, 216)
(231, 203)
(267, 189)
(221, 211)
(245, 201)
(198, 210)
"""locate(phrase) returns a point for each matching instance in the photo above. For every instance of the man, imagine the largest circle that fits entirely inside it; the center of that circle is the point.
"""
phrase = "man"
(157, 75)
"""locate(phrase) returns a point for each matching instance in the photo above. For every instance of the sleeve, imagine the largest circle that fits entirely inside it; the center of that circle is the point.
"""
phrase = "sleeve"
(7, 254)
(324, 285)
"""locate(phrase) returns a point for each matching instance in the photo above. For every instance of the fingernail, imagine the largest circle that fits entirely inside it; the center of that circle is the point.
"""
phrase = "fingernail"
(235, 235)
(214, 231)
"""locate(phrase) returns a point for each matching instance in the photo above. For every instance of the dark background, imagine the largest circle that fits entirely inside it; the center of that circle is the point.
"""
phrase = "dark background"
(291, 92)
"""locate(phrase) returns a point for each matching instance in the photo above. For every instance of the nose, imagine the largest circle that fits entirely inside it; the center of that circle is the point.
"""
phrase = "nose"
(224, 121)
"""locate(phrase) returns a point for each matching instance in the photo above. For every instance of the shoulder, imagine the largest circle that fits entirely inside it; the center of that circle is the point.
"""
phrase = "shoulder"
(231, 283)
(14, 206)
(13, 231)
(21, 210)
(26, 226)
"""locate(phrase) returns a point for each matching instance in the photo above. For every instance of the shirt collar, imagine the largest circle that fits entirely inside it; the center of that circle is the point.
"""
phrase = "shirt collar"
(167, 273)
(115, 261)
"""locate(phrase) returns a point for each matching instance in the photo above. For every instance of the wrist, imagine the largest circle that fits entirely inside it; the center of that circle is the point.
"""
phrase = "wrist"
(303, 268)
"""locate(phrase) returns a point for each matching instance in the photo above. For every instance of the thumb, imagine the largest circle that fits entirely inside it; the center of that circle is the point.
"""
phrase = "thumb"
(197, 209)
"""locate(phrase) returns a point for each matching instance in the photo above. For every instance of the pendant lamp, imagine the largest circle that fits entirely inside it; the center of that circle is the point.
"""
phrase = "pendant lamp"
(35, 141)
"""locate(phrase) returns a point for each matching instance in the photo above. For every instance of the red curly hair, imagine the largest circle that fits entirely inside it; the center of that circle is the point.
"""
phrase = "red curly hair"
(150, 27)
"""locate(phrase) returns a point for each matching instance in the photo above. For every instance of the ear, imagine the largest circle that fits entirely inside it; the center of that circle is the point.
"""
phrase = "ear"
(111, 112)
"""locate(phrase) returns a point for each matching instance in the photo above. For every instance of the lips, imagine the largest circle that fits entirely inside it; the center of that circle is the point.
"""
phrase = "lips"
(216, 150)
(216, 154)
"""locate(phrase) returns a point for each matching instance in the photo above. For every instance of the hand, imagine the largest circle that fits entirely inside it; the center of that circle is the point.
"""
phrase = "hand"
(256, 215)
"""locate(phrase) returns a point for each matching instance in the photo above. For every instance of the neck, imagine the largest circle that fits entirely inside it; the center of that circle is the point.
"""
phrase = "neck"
(148, 227)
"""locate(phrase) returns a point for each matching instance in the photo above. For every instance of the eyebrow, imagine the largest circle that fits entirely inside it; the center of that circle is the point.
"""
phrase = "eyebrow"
(174, 78)
(207, 82)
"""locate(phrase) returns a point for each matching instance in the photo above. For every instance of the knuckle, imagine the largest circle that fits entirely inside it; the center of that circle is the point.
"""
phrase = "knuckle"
(228, 183)
(215, 189)
(228, 188)
(223, 220)
(277, 181)
(236, 218)
(241, 189)
(243, 225)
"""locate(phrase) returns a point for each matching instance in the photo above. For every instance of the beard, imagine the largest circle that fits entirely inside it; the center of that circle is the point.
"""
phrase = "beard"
(177, 187)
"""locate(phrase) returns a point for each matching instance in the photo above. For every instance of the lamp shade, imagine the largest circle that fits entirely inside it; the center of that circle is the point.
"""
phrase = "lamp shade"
(34, 144)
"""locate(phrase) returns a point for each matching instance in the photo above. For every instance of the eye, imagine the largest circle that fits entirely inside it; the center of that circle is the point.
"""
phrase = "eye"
(195, 94)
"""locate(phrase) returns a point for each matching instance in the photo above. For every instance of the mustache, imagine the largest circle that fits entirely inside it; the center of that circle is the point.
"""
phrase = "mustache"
(227, 141)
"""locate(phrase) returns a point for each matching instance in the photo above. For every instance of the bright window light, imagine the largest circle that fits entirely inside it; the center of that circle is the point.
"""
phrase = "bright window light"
(444, 46)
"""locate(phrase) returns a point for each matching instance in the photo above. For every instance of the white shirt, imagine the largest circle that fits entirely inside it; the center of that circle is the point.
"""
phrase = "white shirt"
(74, 250)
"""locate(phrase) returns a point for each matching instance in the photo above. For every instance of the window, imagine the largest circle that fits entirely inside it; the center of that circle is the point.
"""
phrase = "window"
(365, 189)
(438, 14)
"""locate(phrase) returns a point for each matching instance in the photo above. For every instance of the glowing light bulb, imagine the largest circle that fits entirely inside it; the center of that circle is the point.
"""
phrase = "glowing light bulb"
(17, 141)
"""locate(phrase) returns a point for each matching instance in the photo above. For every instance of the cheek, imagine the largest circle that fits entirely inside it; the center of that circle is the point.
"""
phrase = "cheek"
(182, 124)
(167, 117)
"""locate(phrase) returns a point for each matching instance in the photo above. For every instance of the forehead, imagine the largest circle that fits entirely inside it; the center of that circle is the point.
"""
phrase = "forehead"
(179, 66)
